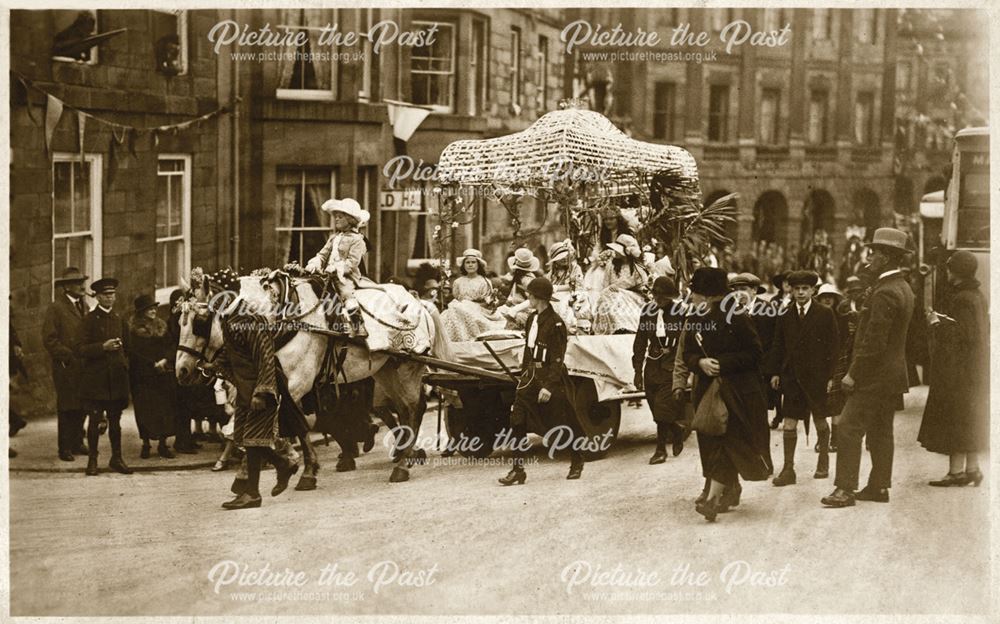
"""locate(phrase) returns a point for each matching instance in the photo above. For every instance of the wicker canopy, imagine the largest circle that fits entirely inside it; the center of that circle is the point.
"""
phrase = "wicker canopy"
(571, 144)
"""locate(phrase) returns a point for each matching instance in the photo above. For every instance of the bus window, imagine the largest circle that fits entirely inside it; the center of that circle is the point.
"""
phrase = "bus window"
(973, 230)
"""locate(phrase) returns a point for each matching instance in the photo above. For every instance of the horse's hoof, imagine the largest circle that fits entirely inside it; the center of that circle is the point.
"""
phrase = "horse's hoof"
(306, 483)
(399, 475)
(239, 486)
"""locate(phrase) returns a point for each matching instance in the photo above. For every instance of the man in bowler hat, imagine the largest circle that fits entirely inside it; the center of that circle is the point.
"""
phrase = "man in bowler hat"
(104, 377)
(62, 331)
(876, 380)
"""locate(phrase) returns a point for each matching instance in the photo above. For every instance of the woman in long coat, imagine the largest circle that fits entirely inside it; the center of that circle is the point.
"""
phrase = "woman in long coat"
(956, 416)
(151, 375)
(730, 351)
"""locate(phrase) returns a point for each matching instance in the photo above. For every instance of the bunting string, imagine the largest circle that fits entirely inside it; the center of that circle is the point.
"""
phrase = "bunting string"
(55, 107)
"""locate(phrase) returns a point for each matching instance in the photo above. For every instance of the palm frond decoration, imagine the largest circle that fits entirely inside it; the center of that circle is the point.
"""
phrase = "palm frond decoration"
(686, 226)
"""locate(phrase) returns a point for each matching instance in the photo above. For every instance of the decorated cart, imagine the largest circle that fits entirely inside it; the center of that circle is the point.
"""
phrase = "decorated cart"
(578, 160)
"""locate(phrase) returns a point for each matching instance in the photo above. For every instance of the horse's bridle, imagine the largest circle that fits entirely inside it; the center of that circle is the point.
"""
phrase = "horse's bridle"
(201, 356)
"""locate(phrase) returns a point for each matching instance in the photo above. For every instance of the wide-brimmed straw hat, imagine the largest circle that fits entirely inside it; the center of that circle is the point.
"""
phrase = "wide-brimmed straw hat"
(349, 207)
(524, 260)
(475, 254)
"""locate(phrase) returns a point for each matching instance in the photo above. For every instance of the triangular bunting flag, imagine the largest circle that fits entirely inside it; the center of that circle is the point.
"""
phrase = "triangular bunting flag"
(81, 123)
(53, 111)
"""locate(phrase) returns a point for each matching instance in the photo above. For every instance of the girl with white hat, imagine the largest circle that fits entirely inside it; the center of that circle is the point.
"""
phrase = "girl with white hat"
(468, 314)
(342, 255)
(564, 273)
(621, 299)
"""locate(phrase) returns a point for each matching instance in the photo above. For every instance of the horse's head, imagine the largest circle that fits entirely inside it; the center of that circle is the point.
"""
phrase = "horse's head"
(200, 337)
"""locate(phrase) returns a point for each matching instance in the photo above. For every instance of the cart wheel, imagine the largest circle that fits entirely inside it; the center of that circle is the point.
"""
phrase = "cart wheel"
(596, 419)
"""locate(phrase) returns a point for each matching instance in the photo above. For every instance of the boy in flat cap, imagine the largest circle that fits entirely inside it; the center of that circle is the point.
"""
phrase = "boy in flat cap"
(104, 376)
(800, 363)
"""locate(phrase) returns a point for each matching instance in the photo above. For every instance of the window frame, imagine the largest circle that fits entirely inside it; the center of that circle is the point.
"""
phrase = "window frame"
(452, 73)
(322, 95)
(669, 113)
(479, 64)
(96, 212)
(182, 35)
(870, 129)
(543, 72)
(516, 65)
(824, 135)
(723, 114)
(775, 130)
(367, 84)
(827, 30)
(302, 171)
(163, 293)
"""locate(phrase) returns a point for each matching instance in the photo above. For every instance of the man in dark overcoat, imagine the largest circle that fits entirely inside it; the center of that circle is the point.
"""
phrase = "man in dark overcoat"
(104, 377)
(544, 391)
(800, 363)
(653, 353)
(877, 379)
(62, 331)
(247, 360)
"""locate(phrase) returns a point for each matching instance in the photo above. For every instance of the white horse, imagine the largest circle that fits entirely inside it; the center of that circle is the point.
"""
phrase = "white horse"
(399, 381)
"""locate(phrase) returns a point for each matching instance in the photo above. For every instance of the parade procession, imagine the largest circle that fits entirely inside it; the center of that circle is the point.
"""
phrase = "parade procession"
(657, 310)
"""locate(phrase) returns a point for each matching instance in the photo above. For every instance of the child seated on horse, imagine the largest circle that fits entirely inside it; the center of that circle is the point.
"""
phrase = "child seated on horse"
(341, 257)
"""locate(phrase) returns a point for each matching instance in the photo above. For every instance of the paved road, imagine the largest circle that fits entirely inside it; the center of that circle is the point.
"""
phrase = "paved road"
(452, 541)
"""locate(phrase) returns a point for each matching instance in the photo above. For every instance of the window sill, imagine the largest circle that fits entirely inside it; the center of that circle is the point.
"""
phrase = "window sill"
(304, 94)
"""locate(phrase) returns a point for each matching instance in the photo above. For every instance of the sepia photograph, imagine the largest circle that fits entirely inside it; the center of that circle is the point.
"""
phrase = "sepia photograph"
(400, 309)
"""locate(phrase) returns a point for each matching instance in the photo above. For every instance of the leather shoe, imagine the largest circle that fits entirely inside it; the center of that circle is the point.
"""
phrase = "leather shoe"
(575, 471)
(92, 470)
(730, 498)
(708, 508)
(950, 480)
(285, 474)
(144, 453)
(659, 456)
(839, 498)
(785, 477)
(65, 456)
(875, 495)
(186, 450)
(164, 452)
(517, 475)
(118, 465)
(677, 446)
(243, 501)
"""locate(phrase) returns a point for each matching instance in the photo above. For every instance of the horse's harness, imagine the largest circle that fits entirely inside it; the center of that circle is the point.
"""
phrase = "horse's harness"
(201, 328)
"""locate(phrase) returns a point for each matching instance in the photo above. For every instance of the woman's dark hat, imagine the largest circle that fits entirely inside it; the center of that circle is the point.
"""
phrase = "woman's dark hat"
(541, 288)
(144, 302)
(963, 263)
(710, 282)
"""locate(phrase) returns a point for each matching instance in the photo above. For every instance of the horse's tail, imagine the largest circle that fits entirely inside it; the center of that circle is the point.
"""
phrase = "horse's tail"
(441, 348)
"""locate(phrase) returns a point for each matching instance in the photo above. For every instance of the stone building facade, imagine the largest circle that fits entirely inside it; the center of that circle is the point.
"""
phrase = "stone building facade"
(803, 130)
(142, 218)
